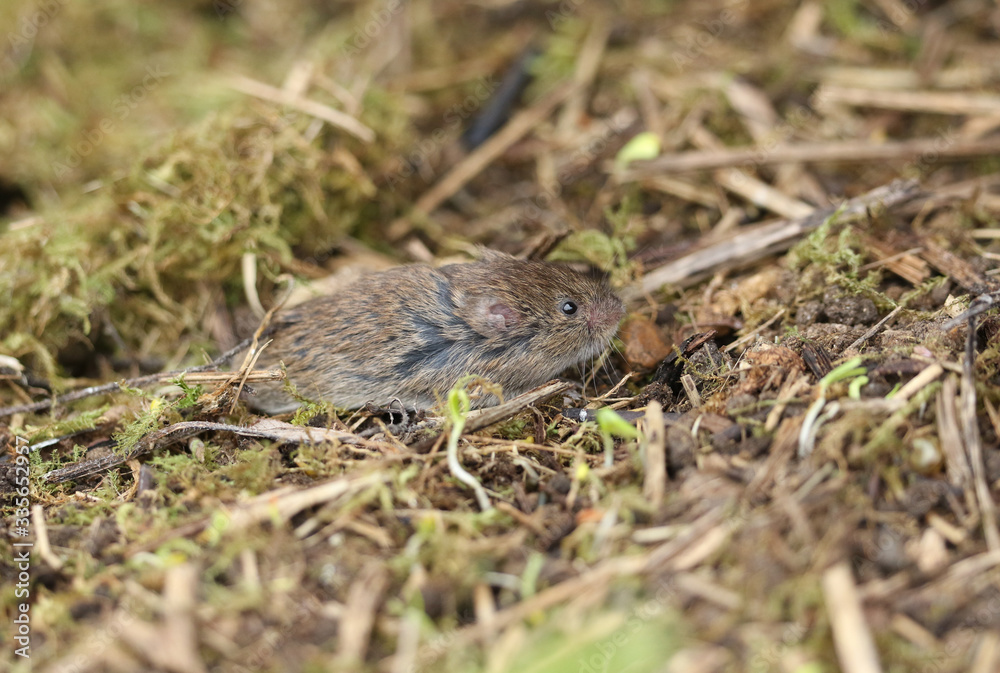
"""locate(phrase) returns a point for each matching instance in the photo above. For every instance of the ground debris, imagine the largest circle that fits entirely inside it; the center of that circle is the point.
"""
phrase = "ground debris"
(789, 462)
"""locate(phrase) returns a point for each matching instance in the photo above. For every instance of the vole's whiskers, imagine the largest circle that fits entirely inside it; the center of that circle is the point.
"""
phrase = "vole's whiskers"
(617, 350)
(609, 368)
(593, 375)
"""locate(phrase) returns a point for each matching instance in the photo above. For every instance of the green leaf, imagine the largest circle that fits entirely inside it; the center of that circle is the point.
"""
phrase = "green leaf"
(847, 370)
(611, 423)
(645, 145)
(854, 389)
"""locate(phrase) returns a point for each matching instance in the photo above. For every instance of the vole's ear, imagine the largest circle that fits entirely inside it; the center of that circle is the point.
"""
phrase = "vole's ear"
(501, 316)
(490, 316)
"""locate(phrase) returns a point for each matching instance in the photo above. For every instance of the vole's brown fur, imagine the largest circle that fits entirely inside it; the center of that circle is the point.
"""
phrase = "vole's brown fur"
(411, 332)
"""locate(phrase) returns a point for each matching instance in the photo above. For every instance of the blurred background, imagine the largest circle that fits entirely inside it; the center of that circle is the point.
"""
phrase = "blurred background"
(146, 148)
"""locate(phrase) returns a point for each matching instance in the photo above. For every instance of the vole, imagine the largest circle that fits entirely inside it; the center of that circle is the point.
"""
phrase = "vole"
(411, 332)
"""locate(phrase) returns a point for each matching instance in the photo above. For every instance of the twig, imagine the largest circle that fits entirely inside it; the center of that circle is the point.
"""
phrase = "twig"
(857, 151)
(977, 307)
(769, 238)
(874, 329)
(265, 429)
(115, 386)
(481, 418)
(747, 337)
(482, 157)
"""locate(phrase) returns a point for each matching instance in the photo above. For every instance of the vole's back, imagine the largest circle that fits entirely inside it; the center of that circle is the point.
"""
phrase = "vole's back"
(411, 332)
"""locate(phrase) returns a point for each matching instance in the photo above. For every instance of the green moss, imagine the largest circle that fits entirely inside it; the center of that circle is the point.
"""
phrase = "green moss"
(512, 429)
(832, 253)
(253, 471)
(84, 420)
(144, 422)
(143, 251)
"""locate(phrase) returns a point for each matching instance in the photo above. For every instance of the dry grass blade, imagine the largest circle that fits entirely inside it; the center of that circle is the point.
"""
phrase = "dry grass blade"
(359, 614)
(752, 189)
(905, 264)
(42, 538)
(851, 633)
(588, 63)
(958, 269)
(959, 472)
(286, 505)
(173, 644)
(655, 478)
(973, 441)
(938, 102)
(328, 114)
(179, 603)
(280, 504)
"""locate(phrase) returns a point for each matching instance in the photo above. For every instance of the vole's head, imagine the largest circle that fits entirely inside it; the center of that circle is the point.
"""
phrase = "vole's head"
(540, 309)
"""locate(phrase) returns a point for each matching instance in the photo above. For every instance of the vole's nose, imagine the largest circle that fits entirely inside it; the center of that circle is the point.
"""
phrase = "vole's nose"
(606, 314)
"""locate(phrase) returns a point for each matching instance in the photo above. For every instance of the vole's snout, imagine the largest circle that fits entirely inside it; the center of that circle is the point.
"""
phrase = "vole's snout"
(605, 314)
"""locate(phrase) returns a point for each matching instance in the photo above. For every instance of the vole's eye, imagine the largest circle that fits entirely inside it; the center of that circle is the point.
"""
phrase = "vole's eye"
(568, 307)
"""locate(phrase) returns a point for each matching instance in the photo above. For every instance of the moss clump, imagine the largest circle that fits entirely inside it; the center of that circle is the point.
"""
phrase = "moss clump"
(151, 255)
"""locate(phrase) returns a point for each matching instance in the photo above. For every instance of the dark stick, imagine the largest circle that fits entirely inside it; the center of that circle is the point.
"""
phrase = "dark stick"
(497, 110)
